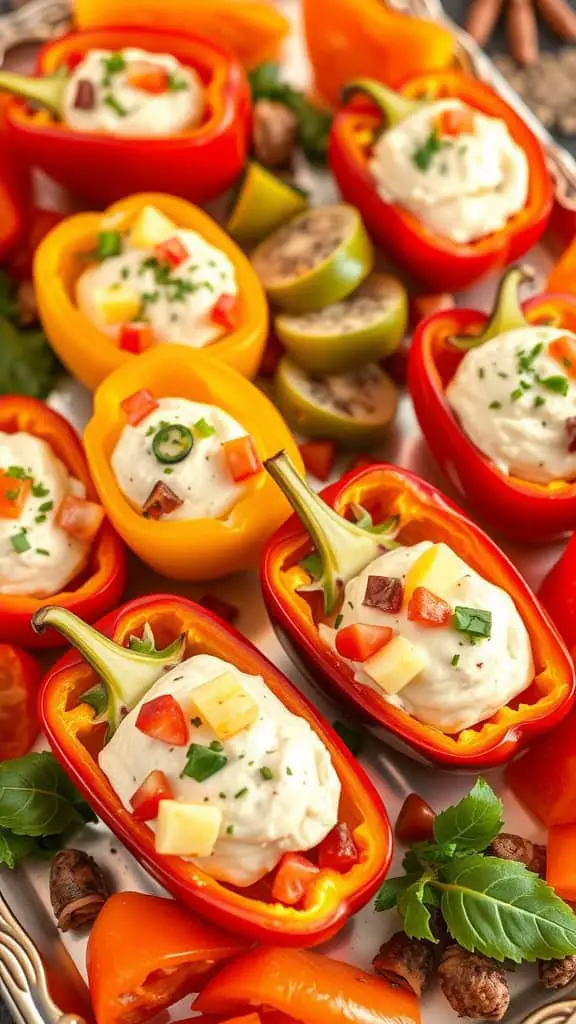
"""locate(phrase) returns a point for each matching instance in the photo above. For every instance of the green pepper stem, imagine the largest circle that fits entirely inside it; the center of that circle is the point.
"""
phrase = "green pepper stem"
(127, 675)
(48, 91)
(507, 312)
(394, 106)
(344, 548)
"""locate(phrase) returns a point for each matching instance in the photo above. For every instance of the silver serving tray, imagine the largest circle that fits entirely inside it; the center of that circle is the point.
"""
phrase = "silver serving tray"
(26, 889)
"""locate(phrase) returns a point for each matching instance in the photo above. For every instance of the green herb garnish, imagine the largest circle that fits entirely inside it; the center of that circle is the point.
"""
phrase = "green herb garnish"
(202, 762)
(495, 405)
(455, 659)
(203, 428)
(516, 394)
(176, 84)
(41, 551)
(241, 792)
(424, 155)
(20, 543)
(558, 384)
(313, 124)
(109, 243)
(115, 105)
(266, 773)
(475, 622)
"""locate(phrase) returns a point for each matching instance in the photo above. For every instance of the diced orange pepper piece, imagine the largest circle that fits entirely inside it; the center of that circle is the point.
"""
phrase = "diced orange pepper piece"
(80, 518)
(149, 78)
(455, 122)
(241, 456)
(13, 495)
(561, 861)
(563, 350)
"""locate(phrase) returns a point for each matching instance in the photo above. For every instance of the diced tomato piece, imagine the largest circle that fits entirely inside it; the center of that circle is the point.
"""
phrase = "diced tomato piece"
(148, 78)
(135, 338)
(455, 122)
(146, 799)
(415, 822)
(563, 350)
(160, 502)
(225, 311)
(428, 609)
(359, 642)
(80, 518)
(318, 458)
(163, 719)
(13, 495)
(138, 406)
(338, 850)
(172, 251)
(241, 456)
(293, 878)
(223, 609)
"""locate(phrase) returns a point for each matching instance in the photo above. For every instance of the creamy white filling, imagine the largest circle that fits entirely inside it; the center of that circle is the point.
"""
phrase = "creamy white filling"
(262, 818)
(517, 421)
(472, 183)
(121, 109)
(462, 683)
(201, 480)
(53, 557)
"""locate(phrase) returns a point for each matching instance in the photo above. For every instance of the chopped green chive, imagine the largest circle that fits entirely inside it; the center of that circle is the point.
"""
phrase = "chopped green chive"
(20, 543)
(516, 394)
(495, 405)
(558, 384)
(241, 792)
(222, 796)
(538, 401)
(203, 428)
(40, 519)
(288, 770)
(46, 506)
(481, 372)
(424, 155)
(230, 830)
(338, 621)
(109, 243)
(475, 622)
(176, 84)
(115, 105)
(42, 551)
(266, 773)
(202, 762)
(18, 472)
(455, 659)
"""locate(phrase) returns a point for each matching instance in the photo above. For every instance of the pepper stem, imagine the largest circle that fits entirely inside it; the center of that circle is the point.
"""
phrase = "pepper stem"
(392, 104)
(48, 91)
(507, 312)
(126, 674)
(345, 549)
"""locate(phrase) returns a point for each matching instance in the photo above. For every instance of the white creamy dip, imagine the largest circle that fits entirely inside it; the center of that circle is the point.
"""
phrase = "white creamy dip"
(263, 818)
(461, 187)
(506, 407)
(52, 557)
(462, 683)
(201, 480)
(99, 96)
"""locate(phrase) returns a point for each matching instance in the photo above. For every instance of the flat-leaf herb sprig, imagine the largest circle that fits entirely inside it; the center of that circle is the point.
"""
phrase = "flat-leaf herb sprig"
(489, 905)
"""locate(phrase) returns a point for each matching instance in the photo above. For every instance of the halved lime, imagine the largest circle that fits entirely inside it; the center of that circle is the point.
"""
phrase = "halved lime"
(263, 203)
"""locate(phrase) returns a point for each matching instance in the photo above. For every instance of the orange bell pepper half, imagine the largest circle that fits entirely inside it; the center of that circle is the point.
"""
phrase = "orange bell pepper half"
(561, 861)
(91, 355)
(146, 953)
(20, 676)
(562, 277)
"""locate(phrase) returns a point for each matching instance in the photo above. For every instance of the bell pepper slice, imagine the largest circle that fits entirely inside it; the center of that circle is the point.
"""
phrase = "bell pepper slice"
(518, 508)
(135, 338)
(20, 677)
(420, 512)
(428, 609)
(562, 277)
(172, 251)
(198, 549)
(544, 779)
(437, 262)
(294, 876)
(558, 594)
(102, 584)
(242, 458)
(307, 987)
(90, 355)
(76, 735)
(318, 458)
(145, 953)
(358, 642)
(200, 163)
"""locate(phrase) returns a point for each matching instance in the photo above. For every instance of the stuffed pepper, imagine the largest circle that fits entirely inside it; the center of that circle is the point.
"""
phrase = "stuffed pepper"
(410, 614)
(176, 449)
(455, 185)
(119, 110)
(151, 270)
(496, 400)
(55, 541)
(214, 771)
(12, 197)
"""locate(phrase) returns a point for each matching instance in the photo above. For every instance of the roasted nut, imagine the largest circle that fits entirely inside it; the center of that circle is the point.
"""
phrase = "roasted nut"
(557, 973)
(274, 133)
(473, 985)
(406, 962)
(508, 846)
(78, 889)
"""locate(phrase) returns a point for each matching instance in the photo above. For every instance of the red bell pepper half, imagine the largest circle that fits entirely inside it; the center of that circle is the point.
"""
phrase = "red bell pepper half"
(19, 681)
(519, 508)
(438, 263)
(409, 510)
(76, 735)
(198, 164)
(558, 595)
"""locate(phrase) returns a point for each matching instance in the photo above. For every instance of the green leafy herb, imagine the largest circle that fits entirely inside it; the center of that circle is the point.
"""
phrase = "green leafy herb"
(46, 506)
(113, 64)
(203, 428)
(455, 659)
(176, 84)
(109, 244)
(202, 762)
(20, 543)
(473, 822)
(425, 153)
(241, 792)
(390, 890)
(39, 491)
(313, 123)
(475, 622)
(16, 472)
(37, 797)
(516, 394)
(413, 910)
(14, 848)
(538, 401)
(354, 740)
(558, 384)
(111, 101)
(266, 773)
(28, 365)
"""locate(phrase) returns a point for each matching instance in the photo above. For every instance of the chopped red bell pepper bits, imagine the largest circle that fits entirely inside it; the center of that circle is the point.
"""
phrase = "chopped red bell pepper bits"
(160, 502)
(563, 350)
(138, 406)
(146, 799)
(13, 495)
(135, 338)
(225, 311)
(163, 719)
(293, 878)
(338, 850)
(359, 641)
(80, 518)
(318, 458)
(148, 77)
(172, 251)
(455, 122)
(427, 609)
(242, 459)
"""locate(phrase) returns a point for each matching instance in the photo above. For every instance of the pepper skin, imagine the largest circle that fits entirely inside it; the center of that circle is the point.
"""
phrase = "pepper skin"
(193, 549)
(517, 508)
(19, 681)
(438, 263)
(544, 779)
(12, 193)
(198, 164)
(75, 740)
(154, 965)
(425, 514)
(102, 584)
(90, 355)
(558, 595)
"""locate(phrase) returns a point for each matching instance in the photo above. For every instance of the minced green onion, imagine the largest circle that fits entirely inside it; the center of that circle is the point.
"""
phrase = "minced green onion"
(266, 773)
(558, 384)
(202, 762)
(20, 543)
(203, 428)
(109, 243)
(475, 622)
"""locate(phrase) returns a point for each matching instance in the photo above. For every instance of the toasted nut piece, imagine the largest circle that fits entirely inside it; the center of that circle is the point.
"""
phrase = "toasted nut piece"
(473, 985)
(78, 889)
(274, 133)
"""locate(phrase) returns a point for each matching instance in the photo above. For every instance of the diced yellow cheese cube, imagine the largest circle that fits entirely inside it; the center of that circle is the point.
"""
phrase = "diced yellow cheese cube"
(151, 228)
(187, 830)
(437, 569)
(224, 705)
(117, 304)
(395, 665)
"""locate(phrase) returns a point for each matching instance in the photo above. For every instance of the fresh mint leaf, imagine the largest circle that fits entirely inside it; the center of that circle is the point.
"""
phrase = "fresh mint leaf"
(473, 822)
(27, 364)
(414, 912)
(390, 890)
(13, 848)
(37, 797)
(435, 853)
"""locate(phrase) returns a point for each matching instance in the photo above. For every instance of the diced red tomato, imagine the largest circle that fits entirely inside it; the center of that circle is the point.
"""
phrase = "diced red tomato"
(415, 822)
(13, 495)
(135, 338)
(148, 77)
(160, 502)
(293, 878)
(428, 609)
(563, 350)
(359, 641)
(241, 456)
(225, 311)
(80, 518)
(163, 719)
(138, 406)
(338, 850)
(223, 609)
(172, 251)
(455, 122)
(146, 799)
(318, 458)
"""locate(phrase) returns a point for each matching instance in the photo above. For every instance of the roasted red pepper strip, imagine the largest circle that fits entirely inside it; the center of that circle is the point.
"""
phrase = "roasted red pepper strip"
(439, 263)
(75, 739)
(198, 164)
(20, 676)
(558, 594)
(519, 508)
(101, 585)
(425, 514)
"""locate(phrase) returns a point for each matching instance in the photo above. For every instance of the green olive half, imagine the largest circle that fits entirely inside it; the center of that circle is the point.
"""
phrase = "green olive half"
(263, 203)
(353, 408)
(363, 328)
(315, 259)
